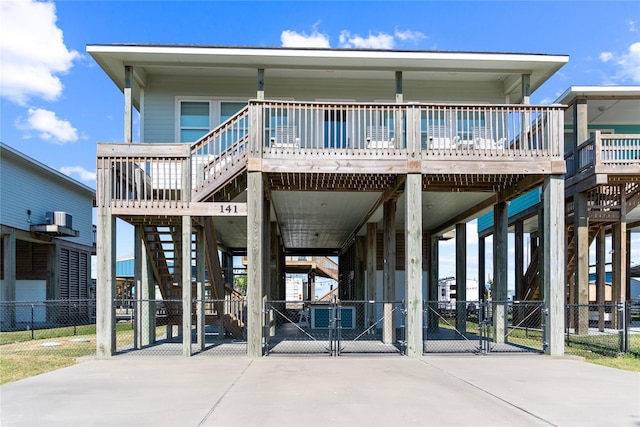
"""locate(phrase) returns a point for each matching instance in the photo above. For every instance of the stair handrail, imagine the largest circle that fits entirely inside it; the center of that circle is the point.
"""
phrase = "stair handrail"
(221, 148)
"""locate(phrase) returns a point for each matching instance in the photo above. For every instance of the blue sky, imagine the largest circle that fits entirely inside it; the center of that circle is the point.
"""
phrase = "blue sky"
(56, 103)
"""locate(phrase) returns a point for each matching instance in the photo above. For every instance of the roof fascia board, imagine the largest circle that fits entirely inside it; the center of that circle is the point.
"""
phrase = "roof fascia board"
(573, 92)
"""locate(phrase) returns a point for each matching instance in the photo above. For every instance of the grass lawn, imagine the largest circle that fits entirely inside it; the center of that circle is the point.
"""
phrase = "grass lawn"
(50, 349)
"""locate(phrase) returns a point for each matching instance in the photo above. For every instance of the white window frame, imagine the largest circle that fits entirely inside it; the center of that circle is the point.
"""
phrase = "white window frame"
(214, 110)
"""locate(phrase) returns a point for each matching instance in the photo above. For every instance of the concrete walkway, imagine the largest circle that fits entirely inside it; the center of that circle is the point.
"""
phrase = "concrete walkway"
(314, 391)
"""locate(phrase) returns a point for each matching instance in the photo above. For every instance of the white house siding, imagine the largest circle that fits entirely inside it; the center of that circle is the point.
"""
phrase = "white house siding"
(25, 187)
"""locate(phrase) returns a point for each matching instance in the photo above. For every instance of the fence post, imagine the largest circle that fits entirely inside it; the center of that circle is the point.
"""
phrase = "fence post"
(545, 314)
(32, 309)
(622, 325)
(627, 325)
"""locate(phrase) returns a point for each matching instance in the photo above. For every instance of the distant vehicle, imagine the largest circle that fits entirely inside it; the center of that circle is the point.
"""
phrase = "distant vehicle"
(447, 295)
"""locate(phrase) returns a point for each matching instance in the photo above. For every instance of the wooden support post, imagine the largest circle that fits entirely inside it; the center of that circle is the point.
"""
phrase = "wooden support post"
(227, 268)
(500, 272)
(553, 254)
(148, 312)
(360, 267)
(138, 249)
(434, 258)
(200, 284)
(389, 272)
(461, 278)
(580, 122)
(255, 239)
(399, 95)
(128, 104)
(185, 265)
(520, 291)
(526, 89)
(260, 85)
(106, 270)
(581, 250)
(619, 270)
(482, 270)
(601, 255)
(266, 249)
(274, 255)
(370, 291)
(413, 264)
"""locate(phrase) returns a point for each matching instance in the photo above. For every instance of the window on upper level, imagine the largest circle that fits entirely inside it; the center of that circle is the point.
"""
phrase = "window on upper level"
(197, 117)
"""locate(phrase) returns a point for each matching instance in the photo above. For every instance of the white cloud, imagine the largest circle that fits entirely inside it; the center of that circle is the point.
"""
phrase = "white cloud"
(408, 35)
(48, 126)
(78, 171)
(379, 41)
(606, 56)
(32, 50)
(632, 26)
(629, 63)
(291, 38)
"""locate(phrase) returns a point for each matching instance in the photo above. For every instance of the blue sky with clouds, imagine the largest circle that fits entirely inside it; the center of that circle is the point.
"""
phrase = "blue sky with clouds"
(56, 103)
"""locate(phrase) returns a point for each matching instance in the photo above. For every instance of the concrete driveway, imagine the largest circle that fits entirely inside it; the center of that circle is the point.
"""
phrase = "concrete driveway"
(324, 391)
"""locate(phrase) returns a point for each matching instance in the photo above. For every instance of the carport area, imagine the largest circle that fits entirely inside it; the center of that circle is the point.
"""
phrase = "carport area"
(320, 391)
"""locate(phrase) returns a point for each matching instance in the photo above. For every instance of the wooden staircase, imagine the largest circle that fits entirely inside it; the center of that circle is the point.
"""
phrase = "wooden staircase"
(164, 246)
(601, 201)
(531, 279)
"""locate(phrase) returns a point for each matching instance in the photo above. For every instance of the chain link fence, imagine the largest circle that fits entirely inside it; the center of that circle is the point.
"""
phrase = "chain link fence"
(483, 327)
(608, 329)
(155, 327)
(334, 329)
(51, 327)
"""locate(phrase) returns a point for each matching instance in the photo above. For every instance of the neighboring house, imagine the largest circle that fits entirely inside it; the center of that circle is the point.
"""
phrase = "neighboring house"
(370, 156)
(47, 237)
(602, 191)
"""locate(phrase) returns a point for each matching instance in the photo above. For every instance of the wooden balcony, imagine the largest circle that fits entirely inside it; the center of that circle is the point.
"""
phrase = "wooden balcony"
(340, 140)
(604, 159)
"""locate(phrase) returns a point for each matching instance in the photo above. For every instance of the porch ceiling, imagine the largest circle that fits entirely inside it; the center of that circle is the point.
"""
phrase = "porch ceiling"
(606, 105)
(321, 212)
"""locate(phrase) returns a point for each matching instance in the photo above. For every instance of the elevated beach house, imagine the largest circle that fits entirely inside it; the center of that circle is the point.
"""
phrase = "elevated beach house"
(366, 155)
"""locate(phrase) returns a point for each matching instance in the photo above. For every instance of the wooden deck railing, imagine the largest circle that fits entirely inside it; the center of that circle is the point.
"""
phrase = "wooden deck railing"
(343, 129)
(606, 153)
(174, 175)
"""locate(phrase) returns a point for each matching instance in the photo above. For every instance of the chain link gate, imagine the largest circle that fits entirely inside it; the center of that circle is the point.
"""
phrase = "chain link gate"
(484, 327)
(334, 328)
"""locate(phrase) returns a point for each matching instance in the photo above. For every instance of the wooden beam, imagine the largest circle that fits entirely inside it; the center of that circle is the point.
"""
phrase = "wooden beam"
(465, 216)
(201, 209)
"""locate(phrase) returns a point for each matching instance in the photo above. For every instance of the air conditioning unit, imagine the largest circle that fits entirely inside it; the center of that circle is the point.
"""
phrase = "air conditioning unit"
(61, 219)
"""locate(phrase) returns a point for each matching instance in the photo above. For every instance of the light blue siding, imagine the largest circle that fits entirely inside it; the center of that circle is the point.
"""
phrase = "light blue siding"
(516, 206)
(26, 186)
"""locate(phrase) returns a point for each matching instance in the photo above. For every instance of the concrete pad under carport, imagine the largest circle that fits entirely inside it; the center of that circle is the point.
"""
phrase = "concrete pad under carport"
(353, 391)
